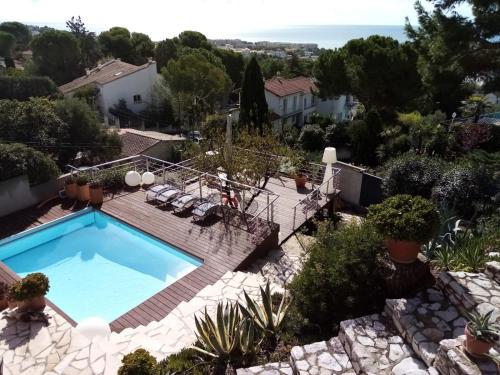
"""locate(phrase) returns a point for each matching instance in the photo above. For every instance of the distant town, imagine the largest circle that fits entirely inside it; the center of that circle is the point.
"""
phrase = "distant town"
(280, 50)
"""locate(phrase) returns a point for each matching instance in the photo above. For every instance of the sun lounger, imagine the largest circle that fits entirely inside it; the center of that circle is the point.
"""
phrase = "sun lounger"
(168, 195)
(184, 202)
(153, 191)
(204, 210)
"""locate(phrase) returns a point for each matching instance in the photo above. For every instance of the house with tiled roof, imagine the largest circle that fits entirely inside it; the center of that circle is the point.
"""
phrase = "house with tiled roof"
(150, 143)
(117, 80)
(292, 101)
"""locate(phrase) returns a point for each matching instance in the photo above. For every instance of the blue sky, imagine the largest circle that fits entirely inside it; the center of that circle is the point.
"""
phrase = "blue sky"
(215, 18)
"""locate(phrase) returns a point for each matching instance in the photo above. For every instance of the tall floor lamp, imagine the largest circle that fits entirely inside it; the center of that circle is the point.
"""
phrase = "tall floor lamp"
(329, 157)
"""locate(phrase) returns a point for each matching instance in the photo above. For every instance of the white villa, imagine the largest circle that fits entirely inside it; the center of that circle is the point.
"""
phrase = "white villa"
(292, 101)
(116, 80)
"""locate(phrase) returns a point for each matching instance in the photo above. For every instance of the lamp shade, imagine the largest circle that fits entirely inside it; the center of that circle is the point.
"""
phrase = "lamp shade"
(133, 178)
(330, 155)
(148, 178)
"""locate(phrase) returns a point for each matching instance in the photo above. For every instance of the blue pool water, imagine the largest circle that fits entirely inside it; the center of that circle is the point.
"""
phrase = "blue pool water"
(96, 265)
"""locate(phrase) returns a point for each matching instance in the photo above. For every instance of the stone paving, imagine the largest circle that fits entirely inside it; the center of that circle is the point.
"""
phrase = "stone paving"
(493, 271)
(321, 358)
(452, 360)
(277, 368)
(425, 320)
(471, 291)
(374, 348)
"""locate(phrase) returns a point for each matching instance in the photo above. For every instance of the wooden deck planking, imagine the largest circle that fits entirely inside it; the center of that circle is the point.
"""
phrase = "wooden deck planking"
(221, 246)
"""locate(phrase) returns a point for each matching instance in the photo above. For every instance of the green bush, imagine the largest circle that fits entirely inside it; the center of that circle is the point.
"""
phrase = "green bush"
(32, 285)
(405, 217)
(17, 159)
(411, 174)
(113, 179)
(187, 361)
(312, 138)
(22, 88)
(139, 362)
(464, 189)
(341, 278)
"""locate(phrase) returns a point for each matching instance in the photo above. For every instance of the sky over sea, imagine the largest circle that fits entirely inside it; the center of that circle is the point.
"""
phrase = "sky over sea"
(215, 18)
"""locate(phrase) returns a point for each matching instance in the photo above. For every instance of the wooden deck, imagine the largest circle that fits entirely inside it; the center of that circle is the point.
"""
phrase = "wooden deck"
(222, 246)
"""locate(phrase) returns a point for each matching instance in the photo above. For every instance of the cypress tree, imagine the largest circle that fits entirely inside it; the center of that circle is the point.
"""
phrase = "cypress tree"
(253, 104)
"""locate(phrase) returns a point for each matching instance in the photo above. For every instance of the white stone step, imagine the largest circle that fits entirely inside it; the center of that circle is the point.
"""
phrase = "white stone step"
(424, 320)
(277, 368)
(324, 357)
(471, 291)
(493, 271)
(374, 348)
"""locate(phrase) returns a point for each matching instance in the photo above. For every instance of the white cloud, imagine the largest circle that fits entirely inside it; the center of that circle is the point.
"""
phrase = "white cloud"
(216, 18)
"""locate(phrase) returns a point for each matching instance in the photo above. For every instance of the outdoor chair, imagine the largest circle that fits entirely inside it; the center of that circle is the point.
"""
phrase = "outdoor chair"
(184, 202)
(153, 191)
(204, 210)
(168, 195)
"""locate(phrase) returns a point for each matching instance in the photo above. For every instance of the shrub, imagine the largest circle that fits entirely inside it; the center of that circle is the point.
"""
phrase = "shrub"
(406, 218)
(22, 88)
(139, 362)
(341, 277)
(187, 361)
(113, 179)
(17, 159)
(336, 135)
(411, 174)
(33, 285)
(312, 138)
(463, 189)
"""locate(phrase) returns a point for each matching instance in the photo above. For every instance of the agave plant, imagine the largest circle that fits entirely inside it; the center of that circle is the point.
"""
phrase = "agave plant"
(230, 339)
(481, 327)
(262, 314)
(449, 234)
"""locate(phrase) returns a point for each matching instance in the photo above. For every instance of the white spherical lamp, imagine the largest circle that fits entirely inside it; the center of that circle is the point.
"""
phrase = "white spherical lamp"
(148, 178)
(93, 326)
(133, 178)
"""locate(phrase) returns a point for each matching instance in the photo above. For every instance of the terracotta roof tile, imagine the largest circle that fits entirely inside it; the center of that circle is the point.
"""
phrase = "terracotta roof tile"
(107, 72)
(135, 144)
(283, 87)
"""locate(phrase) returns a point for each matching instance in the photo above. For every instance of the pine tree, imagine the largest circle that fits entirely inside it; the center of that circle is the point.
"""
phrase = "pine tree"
(253, 106)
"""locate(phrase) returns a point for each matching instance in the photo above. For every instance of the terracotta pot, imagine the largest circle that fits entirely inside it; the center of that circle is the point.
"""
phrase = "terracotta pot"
(71, 190)
(83, 193)
(32, 304)
(300, 181)
(96, 195)
(402, 251)
(475, 347)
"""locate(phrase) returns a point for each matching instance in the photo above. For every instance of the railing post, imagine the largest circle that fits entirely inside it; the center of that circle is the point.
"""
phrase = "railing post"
(272, 211)
(267, 208)
(147, 164)
(294, 214)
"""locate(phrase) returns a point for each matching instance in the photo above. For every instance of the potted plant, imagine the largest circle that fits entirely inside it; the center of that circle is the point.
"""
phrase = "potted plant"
(480, 334)
(4, 296)
(96, 192)
(70, 187)
(30, 292)
(297, 162)
(83, 188)
(406, 222)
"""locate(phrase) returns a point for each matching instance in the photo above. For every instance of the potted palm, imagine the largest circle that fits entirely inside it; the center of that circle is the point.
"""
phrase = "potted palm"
(96, 192)
(29, 292)
(406, 222)
(296, 170)
(70, 188)
(83, 188)
(480, 334)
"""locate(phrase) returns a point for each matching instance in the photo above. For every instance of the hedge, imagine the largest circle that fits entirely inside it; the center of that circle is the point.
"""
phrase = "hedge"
(22, 88)
(17, 159)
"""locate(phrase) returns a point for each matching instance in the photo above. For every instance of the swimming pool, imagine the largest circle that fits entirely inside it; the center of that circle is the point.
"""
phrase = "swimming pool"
(96, 264)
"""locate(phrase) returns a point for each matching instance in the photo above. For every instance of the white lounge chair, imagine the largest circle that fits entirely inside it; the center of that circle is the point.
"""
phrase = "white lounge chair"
(204, 210)
(184, 202)
(168, 195)
(153, 191)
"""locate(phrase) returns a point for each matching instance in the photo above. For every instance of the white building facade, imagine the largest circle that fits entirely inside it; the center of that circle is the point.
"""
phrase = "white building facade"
(116, 80)
(292, 101)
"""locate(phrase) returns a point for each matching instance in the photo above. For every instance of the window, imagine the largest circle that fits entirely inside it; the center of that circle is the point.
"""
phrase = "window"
(294, 103)
(305, 102)
(313, 100)
(285, 105)
(137, 99)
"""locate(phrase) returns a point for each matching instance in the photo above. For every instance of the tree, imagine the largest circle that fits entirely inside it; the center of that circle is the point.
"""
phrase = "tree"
(197, 86)
(20, 32)
(378, 70)
(24, 87)
(7, 42)
(165, 51)
(57, 55)
(116, 42)
(253, 106)
(271, 66)
(143, 48)
(234, 64)
(87, 42)
(194, 39)
(365, 137)
(295, 67)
